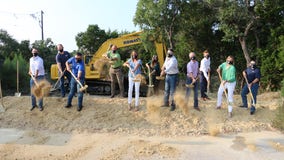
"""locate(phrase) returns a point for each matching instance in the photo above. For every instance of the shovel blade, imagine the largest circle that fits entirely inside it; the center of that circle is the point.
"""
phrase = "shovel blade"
(17, 94)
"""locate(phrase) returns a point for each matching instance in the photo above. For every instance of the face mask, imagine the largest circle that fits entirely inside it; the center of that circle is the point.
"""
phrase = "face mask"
(113, 51)
(207, 56)
(193, 58)
(61, 50)
(170, 55)
(35, 54)
(78, 60)
(134, 56)
(229, 62)
(253, 66)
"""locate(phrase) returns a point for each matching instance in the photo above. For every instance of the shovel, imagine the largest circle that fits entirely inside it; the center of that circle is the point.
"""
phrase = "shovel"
(250, 93)
(82, 87)
(18, 94)
(150, 86)
(54, 87)
(223, 88)
(2, 109)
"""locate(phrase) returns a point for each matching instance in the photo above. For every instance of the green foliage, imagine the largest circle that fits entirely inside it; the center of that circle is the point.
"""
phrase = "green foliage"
(9, 83)
(278, 122)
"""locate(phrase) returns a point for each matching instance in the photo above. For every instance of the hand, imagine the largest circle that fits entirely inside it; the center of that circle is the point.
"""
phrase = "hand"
(68, 69)
(224, 82)
(162, 73)
(193, 81)
(249, 85)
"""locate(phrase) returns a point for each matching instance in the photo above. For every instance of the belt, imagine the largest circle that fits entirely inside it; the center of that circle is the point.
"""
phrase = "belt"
(171, 74)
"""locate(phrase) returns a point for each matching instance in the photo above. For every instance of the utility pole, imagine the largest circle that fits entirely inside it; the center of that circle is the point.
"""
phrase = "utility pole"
(41, 25)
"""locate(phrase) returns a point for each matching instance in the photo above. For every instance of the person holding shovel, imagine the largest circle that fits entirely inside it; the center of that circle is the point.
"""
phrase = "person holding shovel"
(154, 69)
(78, 72)
(191, 79)
(252, 76)
(36, 71)
(228, 81)
(61, 58)
(170, 69)
(205, 75)
(134, 64)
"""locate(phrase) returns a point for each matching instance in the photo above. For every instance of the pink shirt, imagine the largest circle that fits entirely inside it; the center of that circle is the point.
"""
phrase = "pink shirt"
(192, 67)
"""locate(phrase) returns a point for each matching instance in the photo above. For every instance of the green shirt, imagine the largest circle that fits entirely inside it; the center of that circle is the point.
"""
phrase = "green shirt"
(228, 72)
(116, 63)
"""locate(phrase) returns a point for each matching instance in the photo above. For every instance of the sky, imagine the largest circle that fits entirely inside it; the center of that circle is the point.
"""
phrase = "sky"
(64, 19)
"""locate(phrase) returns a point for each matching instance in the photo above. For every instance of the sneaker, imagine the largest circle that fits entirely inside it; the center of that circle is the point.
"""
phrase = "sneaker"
(230, 115)
(173, 108)
(40, 108)
(242, 106)
(68, 106)
(197, 108)
(33, 107)
(79, 108)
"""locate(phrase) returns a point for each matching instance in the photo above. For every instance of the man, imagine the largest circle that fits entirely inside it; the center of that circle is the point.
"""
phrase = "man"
(78, 69)
(61, 58)
(228, 81)
(170, 68)
(191, 78)
(252, 74)
(115, 70)
(204, 75)
(36, 70)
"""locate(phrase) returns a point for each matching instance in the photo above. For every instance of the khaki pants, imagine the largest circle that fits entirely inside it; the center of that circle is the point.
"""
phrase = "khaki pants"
(116, 73)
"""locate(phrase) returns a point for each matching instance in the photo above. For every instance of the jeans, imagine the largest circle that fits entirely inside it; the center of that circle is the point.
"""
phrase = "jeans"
(195, 90)
(130, 89)
(170, 88)
(203, 85)
(62, 87)
(230, 86)
(33, 98)
(245, 91)
(73, 86)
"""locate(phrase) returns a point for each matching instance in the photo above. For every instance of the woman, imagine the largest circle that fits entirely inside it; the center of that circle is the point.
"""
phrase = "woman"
(228, 81)
(134, 64)
(154, 68)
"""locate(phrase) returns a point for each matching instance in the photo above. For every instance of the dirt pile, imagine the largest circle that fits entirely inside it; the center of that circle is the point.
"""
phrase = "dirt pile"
(104, 115)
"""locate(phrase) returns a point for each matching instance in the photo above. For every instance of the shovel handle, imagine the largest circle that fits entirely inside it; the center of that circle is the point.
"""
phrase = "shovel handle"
(76, 79)
(253, 102)
(223, 85)
(59, 78)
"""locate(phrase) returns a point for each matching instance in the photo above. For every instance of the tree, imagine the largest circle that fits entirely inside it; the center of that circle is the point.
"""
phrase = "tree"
(159, 17)
(8, 45)
(237, 19)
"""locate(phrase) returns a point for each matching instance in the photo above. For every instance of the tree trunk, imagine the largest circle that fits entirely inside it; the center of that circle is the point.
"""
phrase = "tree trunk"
(244, 48)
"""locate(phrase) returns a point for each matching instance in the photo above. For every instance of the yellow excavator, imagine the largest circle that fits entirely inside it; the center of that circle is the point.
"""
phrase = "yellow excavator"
(96, 66)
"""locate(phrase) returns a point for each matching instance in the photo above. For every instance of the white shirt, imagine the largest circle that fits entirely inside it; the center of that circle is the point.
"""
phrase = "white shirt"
(205, 66)
(36, 63)
(171, 65)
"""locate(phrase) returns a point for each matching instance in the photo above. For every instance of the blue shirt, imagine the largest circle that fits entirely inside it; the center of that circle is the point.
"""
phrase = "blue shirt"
(62, 58)
(132, 65)
(77, 66)
(252, 74)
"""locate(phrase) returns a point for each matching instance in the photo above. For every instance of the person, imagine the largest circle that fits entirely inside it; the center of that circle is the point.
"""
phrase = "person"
(115, 70)
(204, 75)
(228, 81)
(170, 69)
(191, 79)
(61, 58)
(154, 68)
(134, 64)
(36, 70)
(252, 74)
(78, 69)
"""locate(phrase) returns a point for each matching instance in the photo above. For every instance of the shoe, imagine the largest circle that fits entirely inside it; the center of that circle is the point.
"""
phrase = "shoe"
(33, 107)
(242, 106)
(203, 98)
(79, 108)
(68, 106)
(218, 107)
(197, 108)
(207, 98)
(40, 108)
(252, 110)
(111, 96)
(173, 108)
(230, 115)
(136, 109)
(129, 107)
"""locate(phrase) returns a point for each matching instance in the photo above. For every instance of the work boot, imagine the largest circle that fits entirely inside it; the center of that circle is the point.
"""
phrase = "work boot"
(79, 108)
(173, 107)
(68, 106)
(33, 107)
(252, 110)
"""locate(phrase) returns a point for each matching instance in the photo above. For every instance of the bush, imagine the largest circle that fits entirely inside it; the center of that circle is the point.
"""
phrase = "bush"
(279, 119)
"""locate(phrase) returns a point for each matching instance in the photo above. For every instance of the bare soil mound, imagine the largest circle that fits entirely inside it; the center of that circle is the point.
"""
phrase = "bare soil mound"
(101, 114)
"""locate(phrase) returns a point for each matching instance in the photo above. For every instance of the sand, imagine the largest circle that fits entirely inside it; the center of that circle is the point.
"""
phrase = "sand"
(105, 129)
